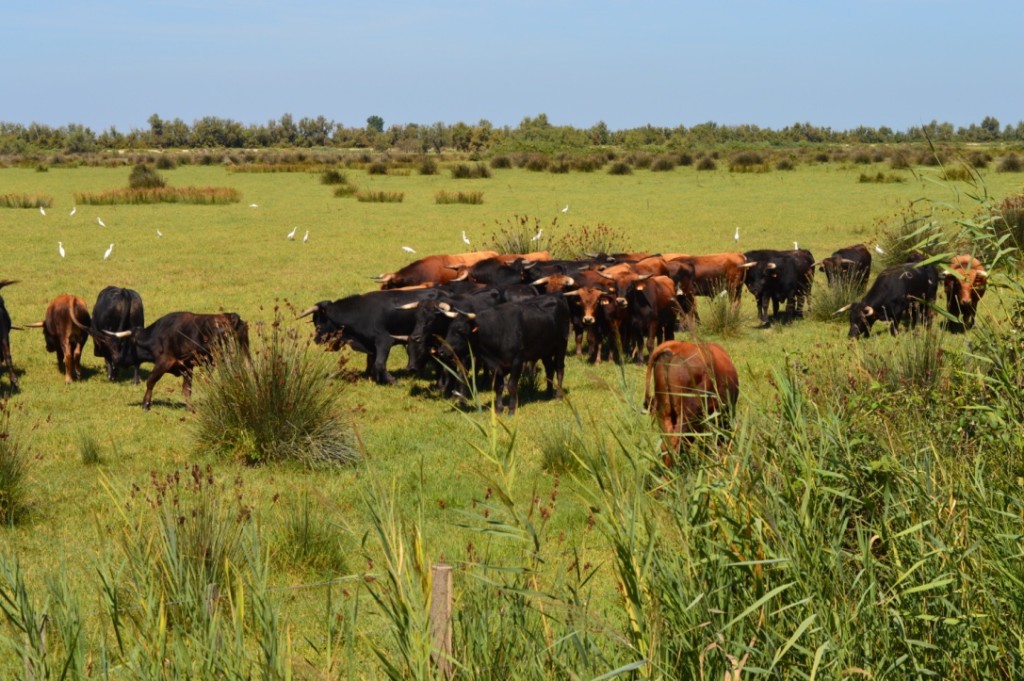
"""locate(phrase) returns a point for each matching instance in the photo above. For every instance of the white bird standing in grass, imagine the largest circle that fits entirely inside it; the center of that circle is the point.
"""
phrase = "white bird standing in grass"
(42, 211)
(566, 209)
(536, 237)
(796, 247)
(736, 236)
(465, 239)
(408, 249)
(99, 221)
(110, 249)
(74, 209)
(159, 234)
(60, 248)
(291, 234)
(305, 239)
(878, 249)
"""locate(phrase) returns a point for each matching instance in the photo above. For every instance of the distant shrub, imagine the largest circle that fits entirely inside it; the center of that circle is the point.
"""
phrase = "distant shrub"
(345, 190)
(640, 159)
(979, 159)
(620, 168)
(685, 158)
(721, 317)
(517, 234)
(559, 166)
(25, 201)
(333, 176)
(1008, 218)
(377, 168)
(145, 177)
(1010, 163)
(588, 164)
(747, 161)
(427, 166)
(463, 171)
(880, 178)
(821, 157)
(273, 404)
(42, 168)
(899, 161)
(785, 164)
(862, 157)
(662, 164)
(501, 162)
(379, 196)
(957, 173)
(931, 158)
(166, 162)
(707, 163)
(14, 464)
(472, 198)
(537, 163)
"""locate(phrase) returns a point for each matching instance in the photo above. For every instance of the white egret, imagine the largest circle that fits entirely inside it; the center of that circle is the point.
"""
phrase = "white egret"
(566, 209)
(42, 211)
(99, 221)
(110, 249)
(736, 236)
(796, 247)
(74, 209)
(536, 237)
(253, 205)
(60, 248)
(305, 239)
(408, 249)
(159, 234)
(291, 234)
(878, 249)
(465, 239)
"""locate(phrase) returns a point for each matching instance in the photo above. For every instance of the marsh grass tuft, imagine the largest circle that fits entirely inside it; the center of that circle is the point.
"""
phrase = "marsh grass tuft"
(443, 197)
(89, 448)
(14, 463)
(720, 317)
(914, 360)
(145, 177)
(311, 540)
(276, 405)
(204, 196)
(25, 201)
(826, 299)
(379, 196)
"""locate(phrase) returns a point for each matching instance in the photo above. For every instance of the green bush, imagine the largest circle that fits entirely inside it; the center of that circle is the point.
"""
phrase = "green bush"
(443, 197)
(1011, 163)
(275, 405)
(785, 164)
(166, 162)
(378, 196)
(707, 163)
(620, 168)
(333, 177)
(463, 171)
(427, 166)
(145, 177)
(311, 540)
(377, 168)
(501, 162)
(663, 163)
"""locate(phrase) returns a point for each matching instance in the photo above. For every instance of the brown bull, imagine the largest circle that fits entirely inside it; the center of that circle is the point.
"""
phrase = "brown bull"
(66, 329)
(691, 384)
(714, 273)
(433, 269)
(964, 282)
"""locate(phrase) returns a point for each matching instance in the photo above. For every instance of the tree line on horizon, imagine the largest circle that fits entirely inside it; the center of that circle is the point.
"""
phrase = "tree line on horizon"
(536, 134)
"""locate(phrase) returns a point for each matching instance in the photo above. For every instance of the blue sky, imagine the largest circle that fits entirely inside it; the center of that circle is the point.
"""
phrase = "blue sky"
(831, 63)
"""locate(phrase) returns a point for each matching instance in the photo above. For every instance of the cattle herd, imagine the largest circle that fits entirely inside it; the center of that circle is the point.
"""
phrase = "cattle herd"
(488, 316)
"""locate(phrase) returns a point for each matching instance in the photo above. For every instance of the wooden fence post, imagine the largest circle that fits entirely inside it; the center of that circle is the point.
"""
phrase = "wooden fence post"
(441, 617)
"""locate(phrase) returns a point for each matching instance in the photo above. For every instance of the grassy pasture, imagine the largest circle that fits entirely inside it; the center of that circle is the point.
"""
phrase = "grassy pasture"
(418, 447)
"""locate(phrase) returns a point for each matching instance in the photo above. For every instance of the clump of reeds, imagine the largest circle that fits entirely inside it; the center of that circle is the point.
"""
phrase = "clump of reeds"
(446, 197)
(379, 196)
(25, 201)
(14, 464)
(275, 404)
(207, 196)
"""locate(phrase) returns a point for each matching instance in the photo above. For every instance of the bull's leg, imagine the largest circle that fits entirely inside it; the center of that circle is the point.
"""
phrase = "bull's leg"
(64, 356)
(371, 359)
(186, 387)
(380, 365)
(513, 387)
(109, 363)
(135, 378)
(76, 360)
(5, 349)
(499, 377)
(559, 366)
(154, 376)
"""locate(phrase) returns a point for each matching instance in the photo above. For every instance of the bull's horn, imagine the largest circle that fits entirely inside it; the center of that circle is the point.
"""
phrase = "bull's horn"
(869, 311)
(981, 273)
(748, 265)
(403, 339)
(463, 276)
(818, 264)
(17, 328)
(540, 282)
(469, 315)
(309, 312)
(569, 281)
(444, 306)
(645, 277)
(35, 325)
(409, 306)
(606, 276)
(572, 293)
(118, 334)
(843, 309)
(847, 261)
(527, 264)
(449, 314)
(770, 266)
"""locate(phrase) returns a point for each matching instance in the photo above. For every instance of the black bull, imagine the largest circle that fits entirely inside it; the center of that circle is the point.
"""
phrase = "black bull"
(116, 309)
(176, 343)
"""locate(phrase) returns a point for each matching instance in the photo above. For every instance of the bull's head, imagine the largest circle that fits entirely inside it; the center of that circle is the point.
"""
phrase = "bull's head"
(862, 317)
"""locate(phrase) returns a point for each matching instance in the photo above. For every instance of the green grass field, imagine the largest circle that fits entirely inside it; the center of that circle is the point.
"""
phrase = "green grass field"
(418, 447)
